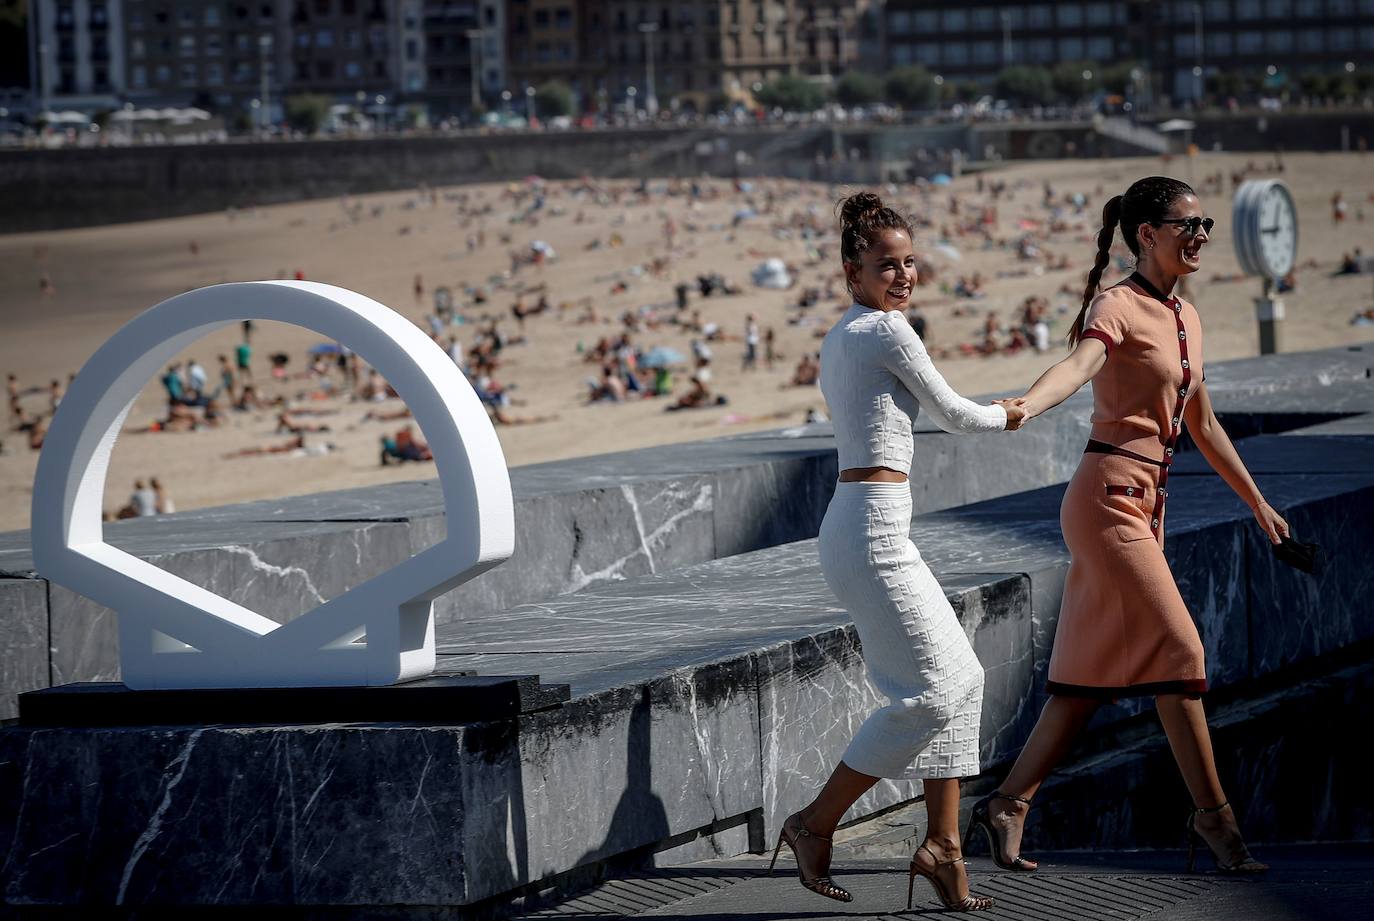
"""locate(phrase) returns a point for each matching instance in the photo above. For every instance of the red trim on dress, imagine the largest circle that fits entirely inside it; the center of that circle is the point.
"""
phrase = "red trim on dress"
(1100, 336)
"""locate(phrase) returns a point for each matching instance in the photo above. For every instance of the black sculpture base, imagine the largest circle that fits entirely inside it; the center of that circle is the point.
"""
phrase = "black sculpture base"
(445, 700)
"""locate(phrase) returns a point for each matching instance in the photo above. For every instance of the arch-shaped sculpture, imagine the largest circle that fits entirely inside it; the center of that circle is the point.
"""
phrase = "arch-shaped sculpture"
(174, 634)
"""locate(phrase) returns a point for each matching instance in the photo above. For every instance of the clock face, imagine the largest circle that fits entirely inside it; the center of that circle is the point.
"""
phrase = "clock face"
(1278, 231)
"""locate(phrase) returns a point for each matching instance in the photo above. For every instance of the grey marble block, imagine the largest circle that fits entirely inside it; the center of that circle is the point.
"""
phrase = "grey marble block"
(1296, 616)
(340, 815)
(23, 641)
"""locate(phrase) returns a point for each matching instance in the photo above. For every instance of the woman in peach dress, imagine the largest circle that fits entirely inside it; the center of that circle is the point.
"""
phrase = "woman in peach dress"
(1123, 628)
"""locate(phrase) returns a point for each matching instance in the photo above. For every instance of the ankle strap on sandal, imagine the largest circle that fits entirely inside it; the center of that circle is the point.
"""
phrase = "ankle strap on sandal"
(938, 861)
(1208, 810)
(801, 831)
(1015, 799)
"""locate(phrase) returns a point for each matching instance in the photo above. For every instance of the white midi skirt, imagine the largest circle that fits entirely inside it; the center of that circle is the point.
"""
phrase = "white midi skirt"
(914, 648)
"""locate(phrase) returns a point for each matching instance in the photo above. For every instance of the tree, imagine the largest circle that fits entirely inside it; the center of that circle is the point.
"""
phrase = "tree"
(307, 111)
(553, 99)
(912, 87)
(1319, 85)
(792, 94)
(858, 89)
(1115, 78)
(1026, 85)
(1228, 83)
(1068, 82)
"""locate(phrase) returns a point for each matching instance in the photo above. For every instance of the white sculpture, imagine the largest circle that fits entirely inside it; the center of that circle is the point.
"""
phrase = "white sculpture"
(174, 634)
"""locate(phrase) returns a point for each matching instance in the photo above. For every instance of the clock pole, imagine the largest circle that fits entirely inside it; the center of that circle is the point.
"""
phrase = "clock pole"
(1269, 313)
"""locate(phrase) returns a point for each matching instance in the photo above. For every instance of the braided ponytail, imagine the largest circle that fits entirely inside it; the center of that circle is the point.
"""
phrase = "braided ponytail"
(1111, 216)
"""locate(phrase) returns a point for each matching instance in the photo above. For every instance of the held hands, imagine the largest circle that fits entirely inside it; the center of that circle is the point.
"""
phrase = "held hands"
(1017, 415)
(1270, 522)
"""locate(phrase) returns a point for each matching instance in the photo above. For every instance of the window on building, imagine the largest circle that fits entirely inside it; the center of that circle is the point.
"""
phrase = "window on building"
(163, 75)
(985, 52)
(1098, 14)
(99, 18)
(1367, 7)
(985, 19)
(1039, 16)
(1071, 49)
(1218, 10)
(1309, 9)
(1041, 50)
(1219, 43)
(214, 74)
(562, 18)
(1100, 48)
(956, 53)
(1279, 40)
(412, 49)
(927, 53)
(1340, 40)
(541, 19)
(1250, 42)
(139, 76)
(243, 41)
(186, 17)
(955, 20)
(66, 19)
(1367, 37)
(324, 38)
(1278, 8)
(926, 21)
(324, 68)
(1311, 40)
(1249, 9)
(414, 82)
(101, 78)
(190, 73)
(899, 22)
(1013, 17)
(136, 48)
(353, 70)
(187, 46)
(134, 19)
(1340, 7)
(1185, 44)
(1069, 14)
(214, 44)
(322, 7)
(212, 15)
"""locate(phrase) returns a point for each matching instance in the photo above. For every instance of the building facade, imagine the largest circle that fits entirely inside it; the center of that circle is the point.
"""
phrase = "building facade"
(1178, 42)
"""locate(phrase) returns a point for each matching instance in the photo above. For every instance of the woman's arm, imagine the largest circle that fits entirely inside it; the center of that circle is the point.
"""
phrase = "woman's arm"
(1064, 378)
(905, 356)
(1216, 447)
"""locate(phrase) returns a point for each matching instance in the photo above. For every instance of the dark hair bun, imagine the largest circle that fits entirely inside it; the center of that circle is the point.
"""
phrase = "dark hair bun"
(857, 205)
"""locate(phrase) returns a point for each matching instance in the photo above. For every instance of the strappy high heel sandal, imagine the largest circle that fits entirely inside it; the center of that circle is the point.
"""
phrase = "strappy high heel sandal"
(981, 817)
(811, 858)
(1245, 864)
(967, 903)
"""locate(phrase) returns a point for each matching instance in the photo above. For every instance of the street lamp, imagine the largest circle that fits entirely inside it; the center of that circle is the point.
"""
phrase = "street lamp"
(474, 56)
(650, 99)
(630, 93)
(505, 101)
(529, 104)
(1197, 42)
(264, 49)
(1350, 67)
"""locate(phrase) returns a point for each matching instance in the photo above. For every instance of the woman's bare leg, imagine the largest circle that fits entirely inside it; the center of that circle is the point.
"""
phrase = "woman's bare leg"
(822, 816)
(942, 836)
(1185, 723)
(1059, 725)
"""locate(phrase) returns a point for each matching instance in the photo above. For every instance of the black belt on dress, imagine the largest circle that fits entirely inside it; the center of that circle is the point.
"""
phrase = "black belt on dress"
(1101, 447)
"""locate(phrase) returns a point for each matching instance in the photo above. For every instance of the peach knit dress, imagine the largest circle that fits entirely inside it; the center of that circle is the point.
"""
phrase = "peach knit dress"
(1123, 627)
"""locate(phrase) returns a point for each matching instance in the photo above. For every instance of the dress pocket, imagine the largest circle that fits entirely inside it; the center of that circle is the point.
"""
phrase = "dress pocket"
(1130, 515)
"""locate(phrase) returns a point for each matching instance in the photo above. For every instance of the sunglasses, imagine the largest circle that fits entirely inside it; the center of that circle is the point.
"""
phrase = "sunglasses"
(1191, 225)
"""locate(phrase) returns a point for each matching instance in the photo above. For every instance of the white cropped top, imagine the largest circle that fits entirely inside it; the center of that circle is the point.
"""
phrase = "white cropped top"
(876, 377)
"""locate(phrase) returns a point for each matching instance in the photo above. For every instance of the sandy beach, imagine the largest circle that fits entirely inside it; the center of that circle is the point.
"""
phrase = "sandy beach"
(617, 251)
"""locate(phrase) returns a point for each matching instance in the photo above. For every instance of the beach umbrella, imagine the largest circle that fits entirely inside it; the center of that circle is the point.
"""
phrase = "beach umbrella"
(660, 356)
(326, 348)
(941, 179)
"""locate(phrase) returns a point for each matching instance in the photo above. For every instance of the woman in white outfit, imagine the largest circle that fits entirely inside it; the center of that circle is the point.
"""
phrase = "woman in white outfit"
(876, 376)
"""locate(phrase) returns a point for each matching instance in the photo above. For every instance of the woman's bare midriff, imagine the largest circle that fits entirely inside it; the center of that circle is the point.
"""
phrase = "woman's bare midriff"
(872, 475)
